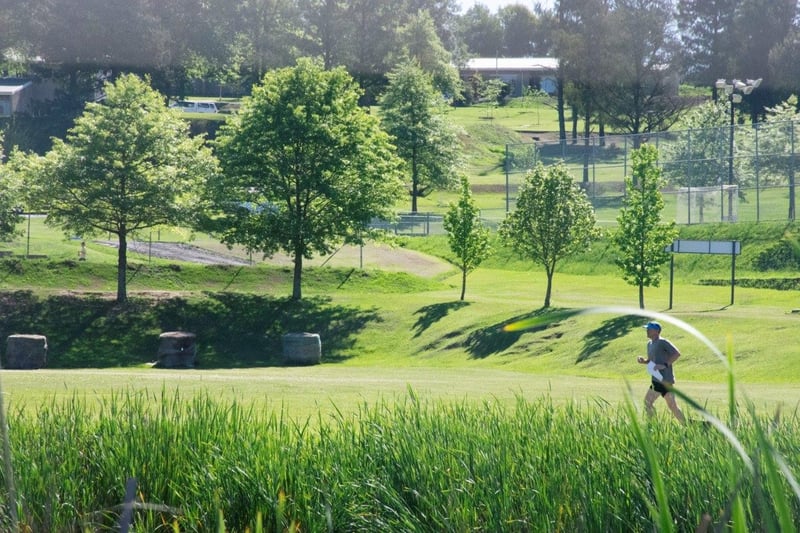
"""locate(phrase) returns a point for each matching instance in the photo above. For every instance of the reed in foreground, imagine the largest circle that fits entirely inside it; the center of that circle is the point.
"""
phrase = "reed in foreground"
(413, 465)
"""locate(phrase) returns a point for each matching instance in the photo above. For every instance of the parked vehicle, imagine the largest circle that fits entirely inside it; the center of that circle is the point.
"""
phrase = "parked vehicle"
(195, 106)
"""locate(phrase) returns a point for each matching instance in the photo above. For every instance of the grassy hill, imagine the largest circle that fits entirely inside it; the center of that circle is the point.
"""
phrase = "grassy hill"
(395, 319)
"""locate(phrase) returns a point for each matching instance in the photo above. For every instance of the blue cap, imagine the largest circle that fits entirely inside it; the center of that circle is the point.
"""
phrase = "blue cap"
(653, 325)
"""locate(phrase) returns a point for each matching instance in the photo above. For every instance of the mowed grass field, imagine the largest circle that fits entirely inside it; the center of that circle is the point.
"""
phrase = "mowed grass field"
(418, 336)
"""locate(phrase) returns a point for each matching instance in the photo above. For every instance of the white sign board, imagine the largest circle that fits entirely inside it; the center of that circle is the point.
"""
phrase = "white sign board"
(705, 247)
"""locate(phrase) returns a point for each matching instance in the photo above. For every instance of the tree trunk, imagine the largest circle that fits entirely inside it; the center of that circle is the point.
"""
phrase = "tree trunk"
(463, 282)
(122, 266)
(641, 295)
(297, 293)
(549, 287)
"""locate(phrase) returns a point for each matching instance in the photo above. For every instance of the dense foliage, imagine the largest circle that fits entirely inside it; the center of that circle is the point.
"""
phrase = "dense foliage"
(642, 237)
(304, 167)
(127, 165)
(467, 236)
(552, 220)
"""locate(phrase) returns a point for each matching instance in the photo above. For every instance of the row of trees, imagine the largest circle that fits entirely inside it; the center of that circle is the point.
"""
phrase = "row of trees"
(620, 60)
(553, 220)
(301, 168)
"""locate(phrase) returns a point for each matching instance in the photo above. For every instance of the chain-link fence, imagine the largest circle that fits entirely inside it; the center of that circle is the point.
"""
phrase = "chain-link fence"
(728, 173)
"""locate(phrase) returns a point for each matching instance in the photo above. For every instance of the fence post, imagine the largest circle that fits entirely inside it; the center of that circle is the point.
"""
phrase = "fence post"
(791, 175)
(688, 186)
(508, 192)
(756, 168)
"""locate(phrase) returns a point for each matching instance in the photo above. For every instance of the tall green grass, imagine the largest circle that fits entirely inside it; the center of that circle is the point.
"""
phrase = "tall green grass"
(412, 465)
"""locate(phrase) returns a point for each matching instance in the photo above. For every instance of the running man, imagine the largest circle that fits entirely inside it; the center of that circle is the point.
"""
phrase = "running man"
(663, 355)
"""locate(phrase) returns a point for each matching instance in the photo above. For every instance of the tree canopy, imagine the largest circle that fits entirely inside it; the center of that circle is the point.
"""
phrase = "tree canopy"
(305, 168)
(127, 165)
(412, 112)
(467, 236)
(641, 236)
(10, 199)
(553, 219)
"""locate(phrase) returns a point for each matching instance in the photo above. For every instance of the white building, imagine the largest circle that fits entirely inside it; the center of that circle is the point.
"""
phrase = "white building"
(14, 95)
(517, 72)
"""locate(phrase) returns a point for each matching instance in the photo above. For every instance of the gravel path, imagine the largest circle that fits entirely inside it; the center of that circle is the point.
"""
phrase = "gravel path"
(371, 256)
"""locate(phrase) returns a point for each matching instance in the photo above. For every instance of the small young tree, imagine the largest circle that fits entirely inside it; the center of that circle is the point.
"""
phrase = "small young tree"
(466, 234)
(553, 219)
(641, 237)
(490, 91)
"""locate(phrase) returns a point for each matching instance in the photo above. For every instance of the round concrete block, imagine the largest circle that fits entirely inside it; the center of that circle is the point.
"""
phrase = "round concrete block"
(302, 348)
(177, 349)
(25, 352)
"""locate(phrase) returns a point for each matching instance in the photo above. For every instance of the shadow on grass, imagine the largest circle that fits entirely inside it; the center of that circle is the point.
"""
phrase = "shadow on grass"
(233, 330)
(611, 329)
(430, 314)
(493, 339)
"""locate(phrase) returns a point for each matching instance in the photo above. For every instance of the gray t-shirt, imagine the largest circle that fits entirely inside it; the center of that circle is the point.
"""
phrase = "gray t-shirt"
(660, 351)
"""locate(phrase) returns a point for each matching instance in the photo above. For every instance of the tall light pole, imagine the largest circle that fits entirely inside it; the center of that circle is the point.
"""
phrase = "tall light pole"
(734, 91)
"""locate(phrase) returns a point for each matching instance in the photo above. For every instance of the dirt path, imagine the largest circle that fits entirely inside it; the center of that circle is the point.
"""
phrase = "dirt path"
(370, 256)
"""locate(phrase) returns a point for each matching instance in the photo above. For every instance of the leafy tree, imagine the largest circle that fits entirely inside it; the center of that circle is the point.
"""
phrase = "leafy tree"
(412, 111)
(759, 26)
(481, 31)
(490, 91)
(583, 47)
(10, 199)
(642, 91)
(128, 164)
(699, 157)
(553, 219)
(519, 27)
(305, 168)
(325, 29)
(784, 69)
(419, 42)
(466, 234)
(641, 236)
(707, 38)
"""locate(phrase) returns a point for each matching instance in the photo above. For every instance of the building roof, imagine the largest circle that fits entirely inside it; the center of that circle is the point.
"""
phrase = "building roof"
(9, 86)
(516, 64)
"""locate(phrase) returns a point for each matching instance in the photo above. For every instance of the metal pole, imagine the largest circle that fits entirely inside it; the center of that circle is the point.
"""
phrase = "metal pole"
(28, 248)
(508, 192)
(733, 268)
(671, 275)
(730, 164)
(758, 186)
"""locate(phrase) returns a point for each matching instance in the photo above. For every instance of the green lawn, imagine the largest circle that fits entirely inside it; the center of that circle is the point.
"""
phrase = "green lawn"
(401, 330)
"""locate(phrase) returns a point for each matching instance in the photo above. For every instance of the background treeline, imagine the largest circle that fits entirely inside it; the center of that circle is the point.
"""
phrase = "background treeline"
(620, 60)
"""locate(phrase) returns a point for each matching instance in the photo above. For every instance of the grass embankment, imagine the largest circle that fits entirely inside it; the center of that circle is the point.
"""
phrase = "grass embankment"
(240, 313)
